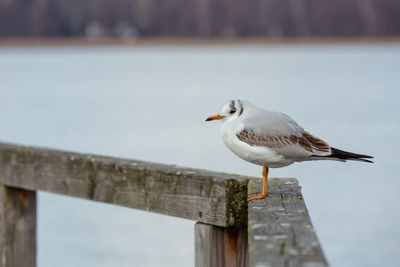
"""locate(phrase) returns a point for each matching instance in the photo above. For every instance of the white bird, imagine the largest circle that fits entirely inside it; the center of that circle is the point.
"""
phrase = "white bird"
(272, 139)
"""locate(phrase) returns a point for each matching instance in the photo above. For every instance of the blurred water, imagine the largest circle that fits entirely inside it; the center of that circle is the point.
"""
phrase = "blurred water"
(149, 103)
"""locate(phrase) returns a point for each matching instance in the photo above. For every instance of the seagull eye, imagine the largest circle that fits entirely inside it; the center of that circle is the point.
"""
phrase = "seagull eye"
(233, 110)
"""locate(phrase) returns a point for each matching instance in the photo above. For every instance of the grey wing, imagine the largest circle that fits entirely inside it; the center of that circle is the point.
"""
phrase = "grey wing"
(281, 133)
(270, 123)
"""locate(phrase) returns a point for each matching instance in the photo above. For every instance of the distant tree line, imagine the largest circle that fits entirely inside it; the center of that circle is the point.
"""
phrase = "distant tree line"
(199, 18)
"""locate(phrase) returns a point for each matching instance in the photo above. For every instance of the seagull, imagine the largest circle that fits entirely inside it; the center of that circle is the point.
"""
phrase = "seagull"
(272, 139)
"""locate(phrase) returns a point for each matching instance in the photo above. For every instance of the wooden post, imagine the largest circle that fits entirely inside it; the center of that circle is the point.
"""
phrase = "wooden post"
(220, 247)
(17, 227)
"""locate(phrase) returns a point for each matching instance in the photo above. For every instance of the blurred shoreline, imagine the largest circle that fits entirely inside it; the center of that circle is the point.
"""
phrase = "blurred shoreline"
(190, 41)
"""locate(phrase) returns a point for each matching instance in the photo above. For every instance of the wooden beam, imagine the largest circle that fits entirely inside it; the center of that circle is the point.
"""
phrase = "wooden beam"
(219, 246)
(199, 195)
(280, 229)
(17, 227)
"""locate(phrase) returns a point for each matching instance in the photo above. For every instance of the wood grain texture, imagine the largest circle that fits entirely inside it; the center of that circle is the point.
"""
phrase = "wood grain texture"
(17, 227)
(220, 246)
(280, 229)
(204, 196)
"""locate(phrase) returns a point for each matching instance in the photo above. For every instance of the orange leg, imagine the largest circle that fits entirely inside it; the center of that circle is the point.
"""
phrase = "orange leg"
(265, 186)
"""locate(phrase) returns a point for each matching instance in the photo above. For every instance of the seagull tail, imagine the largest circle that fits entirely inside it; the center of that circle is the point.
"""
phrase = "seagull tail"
(344, 155)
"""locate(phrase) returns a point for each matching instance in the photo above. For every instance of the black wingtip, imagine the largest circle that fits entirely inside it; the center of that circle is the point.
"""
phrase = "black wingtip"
(365, 160)
(340, 154)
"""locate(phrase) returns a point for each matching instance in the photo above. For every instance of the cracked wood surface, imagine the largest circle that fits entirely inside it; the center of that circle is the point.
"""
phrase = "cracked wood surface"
(279, 228)
(204, 196)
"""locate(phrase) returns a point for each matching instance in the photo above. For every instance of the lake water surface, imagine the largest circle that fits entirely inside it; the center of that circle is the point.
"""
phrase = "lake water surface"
(150, 103)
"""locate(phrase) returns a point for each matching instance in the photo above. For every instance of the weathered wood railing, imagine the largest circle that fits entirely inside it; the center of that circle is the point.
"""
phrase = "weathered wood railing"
(276, 231)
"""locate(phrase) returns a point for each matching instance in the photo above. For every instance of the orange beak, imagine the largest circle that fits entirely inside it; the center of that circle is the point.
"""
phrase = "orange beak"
(215, 117)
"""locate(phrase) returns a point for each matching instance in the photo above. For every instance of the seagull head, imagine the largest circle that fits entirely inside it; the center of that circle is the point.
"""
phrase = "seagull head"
(233, 108)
